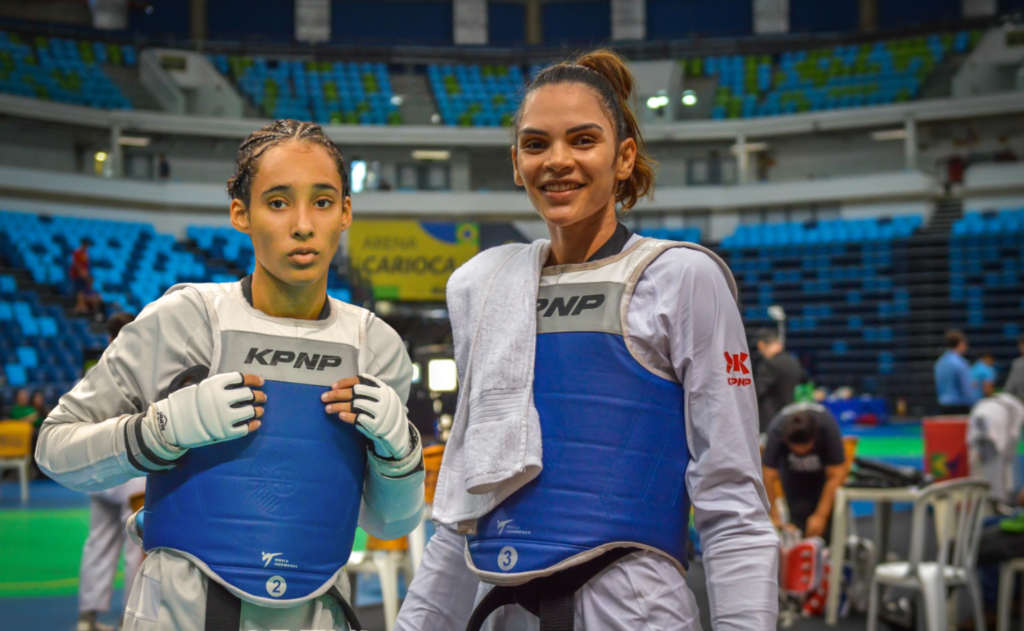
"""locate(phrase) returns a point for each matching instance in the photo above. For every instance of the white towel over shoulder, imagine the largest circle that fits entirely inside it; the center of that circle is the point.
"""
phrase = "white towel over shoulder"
(495, 443)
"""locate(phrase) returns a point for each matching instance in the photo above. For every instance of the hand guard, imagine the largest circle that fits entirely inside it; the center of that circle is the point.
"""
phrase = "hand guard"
(217, 409)
(380, 416)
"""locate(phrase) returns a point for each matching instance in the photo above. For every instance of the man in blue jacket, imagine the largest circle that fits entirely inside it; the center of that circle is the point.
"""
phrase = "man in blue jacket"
(953, 376)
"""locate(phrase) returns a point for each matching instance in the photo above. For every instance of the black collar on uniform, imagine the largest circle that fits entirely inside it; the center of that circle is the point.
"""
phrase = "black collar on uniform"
(614, 244)
(247, 293)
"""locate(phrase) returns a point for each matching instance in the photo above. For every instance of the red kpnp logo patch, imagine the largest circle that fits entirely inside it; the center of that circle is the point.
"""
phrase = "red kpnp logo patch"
(736, 366)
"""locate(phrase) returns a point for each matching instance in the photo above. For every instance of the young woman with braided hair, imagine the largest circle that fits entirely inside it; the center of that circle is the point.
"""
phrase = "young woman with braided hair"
(268, 418)
(602, 404)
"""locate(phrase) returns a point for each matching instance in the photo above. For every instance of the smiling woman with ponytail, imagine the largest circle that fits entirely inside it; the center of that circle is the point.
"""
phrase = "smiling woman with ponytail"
(570, 495)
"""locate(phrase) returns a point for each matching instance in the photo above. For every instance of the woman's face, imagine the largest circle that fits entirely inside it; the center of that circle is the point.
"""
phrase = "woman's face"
(21, 397)
(296, 212)
(38, 400)
(566, 155)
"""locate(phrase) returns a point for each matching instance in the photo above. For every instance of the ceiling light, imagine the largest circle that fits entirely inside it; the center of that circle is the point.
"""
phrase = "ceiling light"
(442, 375)
(656, 102)
(135, 141)
(397, 100)
(101, 156)
(889, 134)
(689, 98)
(751, 147)
(431, 154)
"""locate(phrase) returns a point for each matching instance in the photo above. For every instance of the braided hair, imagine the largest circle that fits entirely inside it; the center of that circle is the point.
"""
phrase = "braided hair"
(276, 133)
(607, 74)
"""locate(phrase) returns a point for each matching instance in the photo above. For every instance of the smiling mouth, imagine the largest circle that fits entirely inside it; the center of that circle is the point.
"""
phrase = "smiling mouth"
(561, 187)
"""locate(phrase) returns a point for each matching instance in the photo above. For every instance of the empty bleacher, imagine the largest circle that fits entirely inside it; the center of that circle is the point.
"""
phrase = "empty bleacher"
(476, 96)
(63, 70)
(326, 92)
(986, 264)
(844, 286)
(857, 75)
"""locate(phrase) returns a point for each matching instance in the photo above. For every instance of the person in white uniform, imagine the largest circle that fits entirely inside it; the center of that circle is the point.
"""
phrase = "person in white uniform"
(292, 430)
(642, 385)
(108, 512)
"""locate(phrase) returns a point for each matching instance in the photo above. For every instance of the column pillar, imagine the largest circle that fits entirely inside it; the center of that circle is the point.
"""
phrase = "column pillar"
(115, 157)
(534, 23)
(910, 143)
(629, 20)
(197, 20)
(469, 19)
(742, 159)
(868, 16)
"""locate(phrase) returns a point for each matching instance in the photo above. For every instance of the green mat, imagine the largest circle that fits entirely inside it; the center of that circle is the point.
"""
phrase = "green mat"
(41, 550)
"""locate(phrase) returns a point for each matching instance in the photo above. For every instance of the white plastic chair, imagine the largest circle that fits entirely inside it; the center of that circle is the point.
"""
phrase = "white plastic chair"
(958, 507)
(1007, 573)
(16, 451)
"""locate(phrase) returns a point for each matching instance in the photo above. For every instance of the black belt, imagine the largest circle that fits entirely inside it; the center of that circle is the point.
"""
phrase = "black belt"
(550, 598)
(224, 609)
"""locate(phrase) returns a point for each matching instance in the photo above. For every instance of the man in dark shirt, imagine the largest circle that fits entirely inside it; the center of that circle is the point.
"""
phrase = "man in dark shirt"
(805, 450)
(775, 376)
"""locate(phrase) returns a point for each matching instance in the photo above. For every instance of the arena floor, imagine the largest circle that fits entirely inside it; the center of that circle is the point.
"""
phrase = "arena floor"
(42, 544)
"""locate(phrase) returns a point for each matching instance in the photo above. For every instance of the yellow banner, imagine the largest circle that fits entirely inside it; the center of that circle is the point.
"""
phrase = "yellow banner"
(410, 260)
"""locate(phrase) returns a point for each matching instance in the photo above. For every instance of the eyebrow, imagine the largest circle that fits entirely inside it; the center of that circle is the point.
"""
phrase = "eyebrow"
(285, 188)
(572, 130)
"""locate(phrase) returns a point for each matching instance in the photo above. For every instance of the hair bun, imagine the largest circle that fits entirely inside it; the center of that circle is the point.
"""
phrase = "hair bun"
(609, 65)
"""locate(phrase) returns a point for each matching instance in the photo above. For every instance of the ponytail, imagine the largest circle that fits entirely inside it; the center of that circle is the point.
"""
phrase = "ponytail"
(606, 72)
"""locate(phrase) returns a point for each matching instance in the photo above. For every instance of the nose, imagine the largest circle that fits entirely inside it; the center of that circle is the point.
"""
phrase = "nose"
(303, 227)
(559, 158)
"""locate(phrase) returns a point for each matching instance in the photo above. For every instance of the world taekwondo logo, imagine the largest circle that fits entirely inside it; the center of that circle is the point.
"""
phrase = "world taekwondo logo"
(267, 557)
(736, 363)
(271, 557)
(508, 526)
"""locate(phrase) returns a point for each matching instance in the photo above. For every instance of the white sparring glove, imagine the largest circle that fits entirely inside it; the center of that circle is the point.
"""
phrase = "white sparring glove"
(216, 409)
(380, 416)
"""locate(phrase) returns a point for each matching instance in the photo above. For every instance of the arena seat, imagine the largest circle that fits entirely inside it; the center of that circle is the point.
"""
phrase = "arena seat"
(886, 71)
(843, 282)
(986, 264)
(476, 96)
(326, 92)
(62, 70)
(690, 235)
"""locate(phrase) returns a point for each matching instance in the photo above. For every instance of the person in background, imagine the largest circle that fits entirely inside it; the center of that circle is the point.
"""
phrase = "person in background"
(22, 409)
(983, 375)
(953, 376)
(38, 401)
(992, 439)
(775, 376)
(1015, 380)
(87, 301)
(163, 168)
(108, 512)
(805, 451)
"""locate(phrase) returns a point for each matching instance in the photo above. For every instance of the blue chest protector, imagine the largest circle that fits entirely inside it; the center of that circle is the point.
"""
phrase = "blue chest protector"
(273, 514)
(615, 449)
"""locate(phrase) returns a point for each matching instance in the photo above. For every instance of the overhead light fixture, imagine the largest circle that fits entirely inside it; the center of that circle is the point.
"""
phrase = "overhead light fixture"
(435, 118)
(431, 154)
(657, 102)
(135, 141)
(689, 98)
(442, 375)
(358, 176)
(101, 156)
(751, 147)
(889, 134)
(397, 100)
